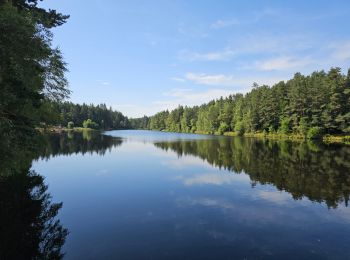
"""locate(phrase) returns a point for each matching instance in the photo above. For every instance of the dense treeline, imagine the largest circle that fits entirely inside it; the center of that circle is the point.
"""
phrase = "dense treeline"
(304, 169)
(307, 105)
(91, 116)
(31, 70)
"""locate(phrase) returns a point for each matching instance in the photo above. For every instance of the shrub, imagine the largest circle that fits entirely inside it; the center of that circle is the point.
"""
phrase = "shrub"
(223, 128)
(239, 128)
(90, 124)
(271, 129)
(314, 133)
(70, 125)
(303, 129)
(284, 128)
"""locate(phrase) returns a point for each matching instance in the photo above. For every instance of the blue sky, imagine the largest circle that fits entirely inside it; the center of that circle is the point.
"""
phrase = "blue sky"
(141, 57)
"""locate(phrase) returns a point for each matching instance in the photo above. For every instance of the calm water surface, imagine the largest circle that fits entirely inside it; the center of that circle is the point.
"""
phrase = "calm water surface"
(154, 195)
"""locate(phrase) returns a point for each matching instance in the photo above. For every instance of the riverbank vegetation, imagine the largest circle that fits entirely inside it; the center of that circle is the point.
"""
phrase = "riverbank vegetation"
(312, 106)
(89, 116)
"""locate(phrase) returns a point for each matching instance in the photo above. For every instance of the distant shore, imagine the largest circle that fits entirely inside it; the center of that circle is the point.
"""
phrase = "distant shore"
(341, 139)
(64, 129)
(344, 139)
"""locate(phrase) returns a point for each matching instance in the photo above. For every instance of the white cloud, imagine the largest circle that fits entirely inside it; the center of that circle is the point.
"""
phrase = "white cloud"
(103, 82)
(189, 97)
(224, 55)
(283, 63)
(212, 79)
(184, 162)
(207, 202)
(278, 44)
(224, 23)
(341, 51)
(178, 79)
(254, 17)
(275, 196)
(211, 179)
(239, 83)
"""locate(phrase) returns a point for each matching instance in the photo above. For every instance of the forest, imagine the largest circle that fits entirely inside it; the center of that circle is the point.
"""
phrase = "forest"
(310, 106)
(89, 116)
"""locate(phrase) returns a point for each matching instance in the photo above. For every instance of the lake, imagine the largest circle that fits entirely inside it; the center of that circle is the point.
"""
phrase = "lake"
(155, 195)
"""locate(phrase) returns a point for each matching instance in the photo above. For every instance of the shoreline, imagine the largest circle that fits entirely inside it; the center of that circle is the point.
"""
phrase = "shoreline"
(64, 129)
(327, 139)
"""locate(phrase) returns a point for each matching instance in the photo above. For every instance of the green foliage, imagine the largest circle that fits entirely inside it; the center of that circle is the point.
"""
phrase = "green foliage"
(224, 127)
(90, 124)
(70, 124)
(239, 128)
(31, 70)
(105, 117)
(293, 107)
(284, 128)
(314, 133)
(139, 123)
(303, 127)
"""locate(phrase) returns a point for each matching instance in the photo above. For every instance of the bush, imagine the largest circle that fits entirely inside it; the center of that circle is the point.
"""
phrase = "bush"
(271, 129)
(90, 124)
(314, 133)
(70, 125)
(239, 128)
(284, 128)
(223, 128)
(303, 129)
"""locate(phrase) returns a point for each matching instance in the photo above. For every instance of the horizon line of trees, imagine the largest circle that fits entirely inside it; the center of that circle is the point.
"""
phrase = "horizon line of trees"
(89, 116)
(310, 105)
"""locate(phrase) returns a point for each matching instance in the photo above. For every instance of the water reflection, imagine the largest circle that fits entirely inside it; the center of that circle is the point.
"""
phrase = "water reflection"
(77, 142)
(319, 172)
(29, 227)
(153, 197)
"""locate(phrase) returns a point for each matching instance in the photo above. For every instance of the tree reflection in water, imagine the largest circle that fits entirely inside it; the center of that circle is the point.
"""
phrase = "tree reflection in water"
(29, 227)
(317, 171)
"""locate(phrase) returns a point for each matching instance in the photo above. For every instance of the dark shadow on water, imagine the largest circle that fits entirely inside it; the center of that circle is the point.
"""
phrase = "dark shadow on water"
(30, 228)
